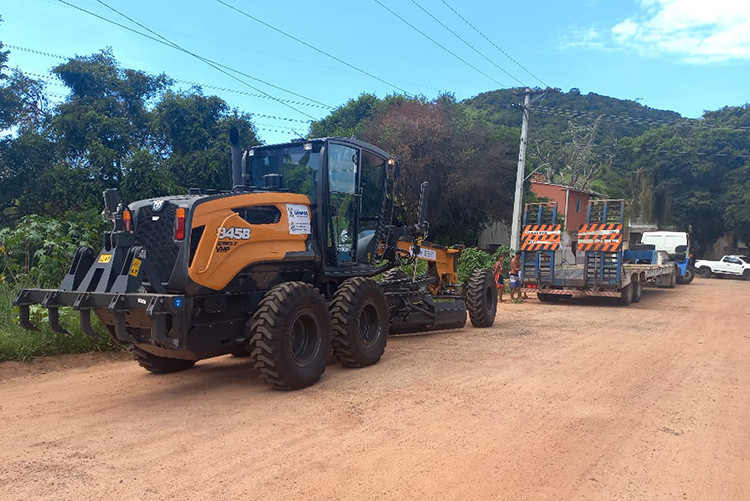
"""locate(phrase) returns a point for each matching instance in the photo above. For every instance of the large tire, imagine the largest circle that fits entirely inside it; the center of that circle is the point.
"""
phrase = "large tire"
(359, 322)
(673, 278)
(746, 274)
(160, 365)
(289, 337)
(626, 295)
(394, 275)
(481, 298)
(704, 272)
(687, 277)
(637, 291)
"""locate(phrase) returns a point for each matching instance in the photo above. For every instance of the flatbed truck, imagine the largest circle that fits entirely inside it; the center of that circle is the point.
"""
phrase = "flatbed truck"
(608, 269)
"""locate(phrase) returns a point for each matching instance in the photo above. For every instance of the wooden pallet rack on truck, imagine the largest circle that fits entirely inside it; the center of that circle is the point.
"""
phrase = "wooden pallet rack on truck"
(608, 270)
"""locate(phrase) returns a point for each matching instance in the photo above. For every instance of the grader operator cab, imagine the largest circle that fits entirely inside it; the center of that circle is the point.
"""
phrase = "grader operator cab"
(279, 268)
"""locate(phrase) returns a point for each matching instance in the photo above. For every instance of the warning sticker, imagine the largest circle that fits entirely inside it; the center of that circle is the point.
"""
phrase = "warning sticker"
(299, 219)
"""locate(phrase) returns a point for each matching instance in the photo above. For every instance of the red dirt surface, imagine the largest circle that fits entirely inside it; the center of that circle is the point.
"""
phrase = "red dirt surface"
(560, 401)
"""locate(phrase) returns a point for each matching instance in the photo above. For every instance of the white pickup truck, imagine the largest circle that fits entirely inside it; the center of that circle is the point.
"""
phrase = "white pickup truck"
(738, 266)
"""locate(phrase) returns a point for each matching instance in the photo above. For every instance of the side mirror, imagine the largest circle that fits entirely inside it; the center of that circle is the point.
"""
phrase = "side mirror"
(423, 192)
(111, 200)
(393, 169)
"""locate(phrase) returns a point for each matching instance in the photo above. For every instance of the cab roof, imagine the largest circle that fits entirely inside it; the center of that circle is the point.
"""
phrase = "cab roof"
(343, 140)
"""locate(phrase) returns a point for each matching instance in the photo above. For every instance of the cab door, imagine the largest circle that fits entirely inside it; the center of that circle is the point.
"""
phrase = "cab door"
(343, 162)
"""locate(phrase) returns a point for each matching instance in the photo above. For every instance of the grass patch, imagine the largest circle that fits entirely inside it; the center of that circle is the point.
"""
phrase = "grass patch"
(16, 343)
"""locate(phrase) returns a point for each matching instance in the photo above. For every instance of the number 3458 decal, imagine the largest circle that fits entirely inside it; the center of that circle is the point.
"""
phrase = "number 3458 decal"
(233, 233)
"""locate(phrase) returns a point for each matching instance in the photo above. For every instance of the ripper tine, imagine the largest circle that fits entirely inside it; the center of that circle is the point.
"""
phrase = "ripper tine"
(86, 324)
(54, 321)
(23, 318)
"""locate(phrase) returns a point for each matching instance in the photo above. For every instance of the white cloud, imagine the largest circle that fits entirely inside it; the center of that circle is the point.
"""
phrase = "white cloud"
(695, 31)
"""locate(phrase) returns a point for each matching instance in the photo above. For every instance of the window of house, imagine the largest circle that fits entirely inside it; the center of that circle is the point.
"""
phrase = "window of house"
(578, 205)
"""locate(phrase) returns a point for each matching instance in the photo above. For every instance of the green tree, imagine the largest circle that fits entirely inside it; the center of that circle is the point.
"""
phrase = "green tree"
(192, 134)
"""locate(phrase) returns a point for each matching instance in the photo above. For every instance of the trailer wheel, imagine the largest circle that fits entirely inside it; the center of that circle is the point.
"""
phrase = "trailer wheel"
(704, 272)
(481, 298)
(160, 365)
(359, 322)
(687, 277)
(290, 336)
(626, 295)
(637, 291)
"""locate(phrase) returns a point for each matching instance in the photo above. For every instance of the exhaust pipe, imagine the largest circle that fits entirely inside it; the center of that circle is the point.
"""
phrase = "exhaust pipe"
(235, 160)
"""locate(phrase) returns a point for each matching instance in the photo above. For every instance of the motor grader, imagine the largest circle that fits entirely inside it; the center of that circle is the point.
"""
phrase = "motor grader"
(279, 268)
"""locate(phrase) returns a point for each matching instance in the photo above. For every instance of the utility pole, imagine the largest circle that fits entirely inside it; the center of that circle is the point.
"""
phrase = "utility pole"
(515, 229)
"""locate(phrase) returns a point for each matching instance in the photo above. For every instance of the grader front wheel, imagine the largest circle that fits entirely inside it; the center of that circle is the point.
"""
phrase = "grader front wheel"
(481, 298)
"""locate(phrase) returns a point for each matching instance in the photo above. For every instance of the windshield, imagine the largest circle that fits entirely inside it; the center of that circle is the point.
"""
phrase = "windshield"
(298, 165)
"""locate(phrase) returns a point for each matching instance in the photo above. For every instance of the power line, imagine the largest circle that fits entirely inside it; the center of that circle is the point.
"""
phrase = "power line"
(218, 66)
(495, 45)
(437, 43)
(240, 11)
(287, 58)
(465, 42)
(207, 61)
(54, 81)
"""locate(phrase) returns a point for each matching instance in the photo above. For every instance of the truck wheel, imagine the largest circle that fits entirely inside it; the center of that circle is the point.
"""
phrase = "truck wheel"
(394, 275)
(687, 277)
(359, 322)
(626, 295)
(704, 272)
(160, 365)
(637, 291)
(290, 336)
(481, 298)
(746, 274)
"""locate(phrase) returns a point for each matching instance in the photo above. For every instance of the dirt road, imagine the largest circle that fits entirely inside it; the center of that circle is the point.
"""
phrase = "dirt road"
(582, 401)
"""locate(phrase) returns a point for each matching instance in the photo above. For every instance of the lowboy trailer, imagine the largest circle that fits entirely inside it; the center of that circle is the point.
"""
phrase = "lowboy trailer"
(608, 270)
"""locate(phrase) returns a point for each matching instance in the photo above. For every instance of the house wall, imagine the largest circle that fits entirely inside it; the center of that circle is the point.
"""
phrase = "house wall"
(577, 203)
(495, 235)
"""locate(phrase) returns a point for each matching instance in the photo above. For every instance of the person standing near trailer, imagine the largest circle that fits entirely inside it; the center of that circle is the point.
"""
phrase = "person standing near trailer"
(499, 270)
(515, 276)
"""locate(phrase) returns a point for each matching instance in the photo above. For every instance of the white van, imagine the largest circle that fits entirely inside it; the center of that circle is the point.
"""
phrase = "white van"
(666, 240)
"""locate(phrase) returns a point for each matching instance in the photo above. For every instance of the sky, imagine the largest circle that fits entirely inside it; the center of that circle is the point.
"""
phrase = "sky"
(294, 61)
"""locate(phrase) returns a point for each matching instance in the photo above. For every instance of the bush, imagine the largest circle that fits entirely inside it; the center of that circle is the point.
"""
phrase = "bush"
(472, 259)
(39, 249)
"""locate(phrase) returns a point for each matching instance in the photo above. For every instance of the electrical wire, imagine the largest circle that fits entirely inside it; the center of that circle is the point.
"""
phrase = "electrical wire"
(54, 81)
(218, 66)
(465, 42)
(436, 43)
(211, 63)
(495, 45)
(306, 44)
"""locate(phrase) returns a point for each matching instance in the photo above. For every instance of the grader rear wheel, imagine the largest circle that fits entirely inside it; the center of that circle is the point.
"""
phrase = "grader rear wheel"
(359, 322)
(290, 336)
(481, 298)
